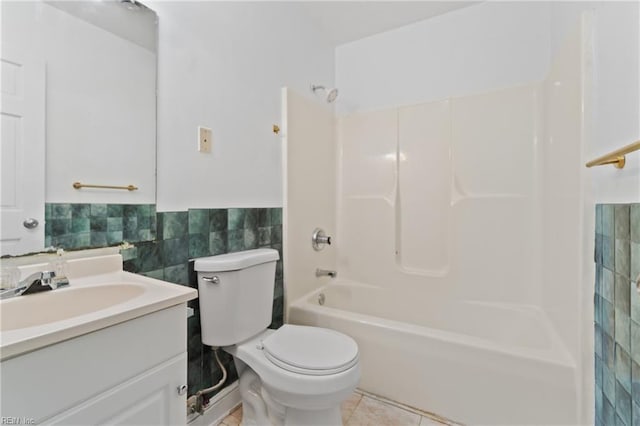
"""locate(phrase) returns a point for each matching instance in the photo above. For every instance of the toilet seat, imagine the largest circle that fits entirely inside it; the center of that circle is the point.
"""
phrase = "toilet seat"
(310, 350)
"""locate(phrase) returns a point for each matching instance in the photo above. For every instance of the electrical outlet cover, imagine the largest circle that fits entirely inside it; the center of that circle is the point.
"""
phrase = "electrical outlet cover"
(205, 139)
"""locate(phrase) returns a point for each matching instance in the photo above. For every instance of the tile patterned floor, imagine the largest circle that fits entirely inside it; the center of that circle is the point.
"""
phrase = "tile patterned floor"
(367, 410)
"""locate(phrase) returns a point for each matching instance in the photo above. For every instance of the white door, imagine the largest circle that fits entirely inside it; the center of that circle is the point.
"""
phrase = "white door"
(22, 161)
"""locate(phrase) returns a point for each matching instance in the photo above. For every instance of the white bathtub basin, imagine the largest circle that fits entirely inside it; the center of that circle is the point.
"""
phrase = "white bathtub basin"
(100, 295)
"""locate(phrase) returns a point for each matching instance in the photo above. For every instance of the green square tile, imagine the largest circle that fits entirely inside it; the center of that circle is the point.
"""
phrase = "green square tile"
(635, 381)
(218, 242)
(79, 211)
(129, 210)
(621, 212)
(60, 226)
(275, 216)
(115, 210)
(98, 224)
(251, 218)
(276, 234)
(48, 208)
(608, 410)
(608, 318)
(634, 261)
(218, 220)
(607, 285)
(149, 256)
(608, 383)
(144, 235)
(623, 368)
(608, 253)
(250, 238)
(114, 224)
(608, 227)
(623, 258)
(622, 302)
(81, 240)
(635, 341)
(235, 240)
(130, 228)
(98, 239)
(144, 222)
(99, 210)
(634, 302)
(175, 224)
(61, 211)
(598, 218)
(236, 219)
(143, 210)
(623, 330)
(199, 221)
(176, 251)
(177, 274)
(264, 237)
(199, 245)
(264, 219)
(114, 237)
(80, 225)
(623, 404)
(634, 223)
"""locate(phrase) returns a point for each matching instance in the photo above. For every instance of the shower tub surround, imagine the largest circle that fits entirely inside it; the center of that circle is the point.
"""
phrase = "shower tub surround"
(458, 246)
(164, 244)
(617, 314)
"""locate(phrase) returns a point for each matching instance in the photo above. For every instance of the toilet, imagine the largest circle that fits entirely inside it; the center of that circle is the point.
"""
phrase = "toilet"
(296, 375)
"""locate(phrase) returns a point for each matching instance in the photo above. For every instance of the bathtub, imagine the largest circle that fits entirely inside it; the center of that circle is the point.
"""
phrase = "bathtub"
(471, 362)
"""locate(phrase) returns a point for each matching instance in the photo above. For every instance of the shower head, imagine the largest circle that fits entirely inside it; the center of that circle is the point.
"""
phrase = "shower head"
(331, 94)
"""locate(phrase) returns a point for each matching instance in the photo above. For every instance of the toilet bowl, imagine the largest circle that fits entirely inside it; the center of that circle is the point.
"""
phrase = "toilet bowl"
(295, 375)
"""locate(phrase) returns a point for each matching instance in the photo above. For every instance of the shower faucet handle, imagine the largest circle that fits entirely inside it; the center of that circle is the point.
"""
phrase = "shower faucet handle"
(319, 239)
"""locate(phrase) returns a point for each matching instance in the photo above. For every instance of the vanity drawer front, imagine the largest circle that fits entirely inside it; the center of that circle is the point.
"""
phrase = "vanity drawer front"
(48, 381)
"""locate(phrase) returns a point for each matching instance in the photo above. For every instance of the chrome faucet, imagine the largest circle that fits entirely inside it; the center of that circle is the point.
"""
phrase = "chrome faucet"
(325, 273)
(35, 283)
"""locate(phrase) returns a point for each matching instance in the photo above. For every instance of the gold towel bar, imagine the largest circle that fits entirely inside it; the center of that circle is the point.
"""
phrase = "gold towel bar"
(616, 157)
(78, 185)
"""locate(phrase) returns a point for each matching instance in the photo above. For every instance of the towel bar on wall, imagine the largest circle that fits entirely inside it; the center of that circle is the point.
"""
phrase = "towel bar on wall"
(617, 157)
(78, 185)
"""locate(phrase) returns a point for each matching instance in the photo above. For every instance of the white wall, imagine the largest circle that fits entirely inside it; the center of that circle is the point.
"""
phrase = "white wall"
(222, 65)
(479, 48)
(100, 104)
(616, 97)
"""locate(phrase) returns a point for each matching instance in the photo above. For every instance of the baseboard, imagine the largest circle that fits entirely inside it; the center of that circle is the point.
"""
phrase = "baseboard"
(220, 406)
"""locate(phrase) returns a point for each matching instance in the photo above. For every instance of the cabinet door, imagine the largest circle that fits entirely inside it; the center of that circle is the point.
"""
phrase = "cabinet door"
(151, 398)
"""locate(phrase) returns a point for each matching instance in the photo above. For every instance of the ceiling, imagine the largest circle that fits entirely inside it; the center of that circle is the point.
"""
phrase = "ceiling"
(346, 21)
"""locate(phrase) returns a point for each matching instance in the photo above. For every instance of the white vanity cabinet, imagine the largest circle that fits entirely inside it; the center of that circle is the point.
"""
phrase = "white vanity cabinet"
(130, 373)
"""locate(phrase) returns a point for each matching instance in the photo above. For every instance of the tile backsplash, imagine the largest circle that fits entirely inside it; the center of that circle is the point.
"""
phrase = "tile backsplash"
(164, 244)
(617, 314)
(76, 226)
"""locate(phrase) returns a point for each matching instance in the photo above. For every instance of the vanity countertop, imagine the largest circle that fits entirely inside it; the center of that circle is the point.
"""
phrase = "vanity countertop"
(100, 295)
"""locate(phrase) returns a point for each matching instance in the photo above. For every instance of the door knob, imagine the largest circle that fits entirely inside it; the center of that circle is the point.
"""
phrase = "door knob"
(30, 223)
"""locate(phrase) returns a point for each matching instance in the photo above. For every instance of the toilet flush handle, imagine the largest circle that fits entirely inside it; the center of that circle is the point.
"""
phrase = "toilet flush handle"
(213, 280)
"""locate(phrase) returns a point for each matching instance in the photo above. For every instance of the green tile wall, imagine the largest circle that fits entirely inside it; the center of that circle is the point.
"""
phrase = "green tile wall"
(617, 315)
(78, 226)
(182, 236)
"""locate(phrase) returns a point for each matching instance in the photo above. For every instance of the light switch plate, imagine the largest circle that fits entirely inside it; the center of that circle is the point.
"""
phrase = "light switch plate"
(205, 139)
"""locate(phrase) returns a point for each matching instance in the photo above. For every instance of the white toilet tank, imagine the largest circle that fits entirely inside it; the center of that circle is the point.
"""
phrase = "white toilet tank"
(236, 295)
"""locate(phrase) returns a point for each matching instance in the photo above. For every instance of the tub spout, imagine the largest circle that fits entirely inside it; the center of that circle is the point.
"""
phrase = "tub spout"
(325, 273)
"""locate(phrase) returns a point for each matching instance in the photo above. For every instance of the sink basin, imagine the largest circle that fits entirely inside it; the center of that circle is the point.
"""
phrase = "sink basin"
(56, 305)
(100, 295)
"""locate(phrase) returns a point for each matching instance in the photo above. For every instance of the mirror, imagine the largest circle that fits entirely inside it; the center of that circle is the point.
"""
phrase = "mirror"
(78, 105)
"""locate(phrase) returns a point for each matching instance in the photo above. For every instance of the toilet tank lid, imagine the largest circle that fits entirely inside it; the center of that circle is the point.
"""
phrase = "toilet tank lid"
(235, 261)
